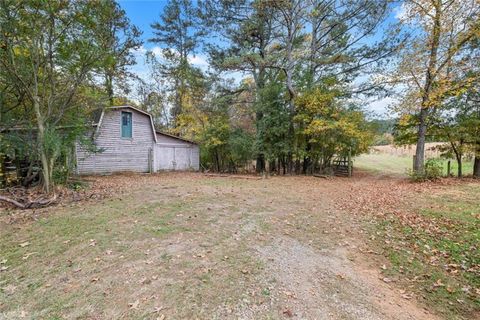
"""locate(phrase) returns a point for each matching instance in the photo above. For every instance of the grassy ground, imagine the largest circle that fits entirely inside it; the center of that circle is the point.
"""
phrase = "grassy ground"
(184, 246)
(399, 165)
(435, 252)
(125, 258)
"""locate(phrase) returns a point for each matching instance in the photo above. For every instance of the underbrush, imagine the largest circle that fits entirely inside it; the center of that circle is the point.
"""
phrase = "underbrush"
(433, 170)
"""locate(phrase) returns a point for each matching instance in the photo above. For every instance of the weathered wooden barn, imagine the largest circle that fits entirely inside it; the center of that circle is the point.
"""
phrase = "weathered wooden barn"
(126, 140)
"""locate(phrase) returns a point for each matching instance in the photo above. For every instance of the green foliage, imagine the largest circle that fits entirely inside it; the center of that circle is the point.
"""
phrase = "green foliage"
(383, 129)
(240, 143)
(329, 128)
(273, 138)
(433, 170)
(51, 54)
(224, 148)
(119, 38)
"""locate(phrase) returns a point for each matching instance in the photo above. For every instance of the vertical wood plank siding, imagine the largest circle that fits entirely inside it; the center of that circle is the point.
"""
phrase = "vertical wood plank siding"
(175, 154)
(120, 154)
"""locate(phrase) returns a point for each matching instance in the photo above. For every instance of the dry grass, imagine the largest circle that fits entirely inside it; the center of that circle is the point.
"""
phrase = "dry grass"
(188, 246)
(399, 165)
(409, 150)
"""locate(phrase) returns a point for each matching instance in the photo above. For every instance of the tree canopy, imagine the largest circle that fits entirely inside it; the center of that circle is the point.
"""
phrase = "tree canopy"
(283, 88)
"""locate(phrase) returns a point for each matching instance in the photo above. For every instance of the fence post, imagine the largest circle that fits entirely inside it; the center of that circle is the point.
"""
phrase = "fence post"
(448, 168)
(2, 171)
(150, 160)
(413, 164)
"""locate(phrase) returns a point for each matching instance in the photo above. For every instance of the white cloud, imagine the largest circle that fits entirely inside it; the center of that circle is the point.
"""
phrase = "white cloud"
(199, 60)
(380, 107)
(400, 12)
(157, 51)
(139, 52)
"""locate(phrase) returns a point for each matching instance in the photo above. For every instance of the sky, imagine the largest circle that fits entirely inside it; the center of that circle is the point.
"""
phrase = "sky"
(143, 13)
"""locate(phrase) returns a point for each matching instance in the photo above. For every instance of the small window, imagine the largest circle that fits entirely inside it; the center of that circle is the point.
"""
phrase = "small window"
(126, 124)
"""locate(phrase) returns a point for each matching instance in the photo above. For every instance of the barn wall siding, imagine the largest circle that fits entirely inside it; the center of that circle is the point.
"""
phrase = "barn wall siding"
(175, 154)
(161, 138)
(120, 154)
(196, 157)
(132, 154)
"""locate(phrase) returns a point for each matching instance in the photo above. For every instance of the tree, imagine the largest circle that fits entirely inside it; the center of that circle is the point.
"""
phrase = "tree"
(49, 53)
(119, 38)
(179, 35)
(292, 46)
(440, 32)
(452, 131)
(329, 127)
(474, 124)
(274, 128)
(247, 29)
(460, 126)
(151, 97)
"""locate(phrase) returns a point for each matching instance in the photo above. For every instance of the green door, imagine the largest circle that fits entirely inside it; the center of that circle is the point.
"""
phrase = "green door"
(126, 124)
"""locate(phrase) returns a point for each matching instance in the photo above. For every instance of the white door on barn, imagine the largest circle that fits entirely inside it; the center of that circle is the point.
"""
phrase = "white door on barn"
(173, 158)
(165, 158)
(182, 158)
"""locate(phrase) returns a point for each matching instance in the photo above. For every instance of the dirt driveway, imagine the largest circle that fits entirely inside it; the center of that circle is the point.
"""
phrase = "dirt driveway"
(187, 246)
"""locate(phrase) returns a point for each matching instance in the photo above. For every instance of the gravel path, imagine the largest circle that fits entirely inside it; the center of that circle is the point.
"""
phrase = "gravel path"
(325, 284)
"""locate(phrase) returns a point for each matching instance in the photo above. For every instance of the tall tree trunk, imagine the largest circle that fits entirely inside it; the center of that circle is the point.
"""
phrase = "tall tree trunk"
(459, 163)
(109, 87)
(307, 161)
(419, 164)
(46, 174)
(291, 102)
(458, 155)
(259, 85)
(217, 160)
(2, 170)
(476, 167)
(260, 163)
(476, 163)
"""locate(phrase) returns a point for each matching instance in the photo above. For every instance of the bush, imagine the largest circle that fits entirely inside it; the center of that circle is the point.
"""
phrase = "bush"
(433, 170)
(60, 174)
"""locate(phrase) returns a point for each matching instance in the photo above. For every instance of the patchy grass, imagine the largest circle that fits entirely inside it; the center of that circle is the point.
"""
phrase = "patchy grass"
(188, 246)
(436, 255)
(123, 258)
(399, 165)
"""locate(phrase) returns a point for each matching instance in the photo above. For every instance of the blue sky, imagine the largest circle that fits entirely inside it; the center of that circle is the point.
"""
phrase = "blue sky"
(143, 13)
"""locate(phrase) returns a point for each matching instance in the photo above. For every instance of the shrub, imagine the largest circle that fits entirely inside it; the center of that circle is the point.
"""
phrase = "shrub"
(432, 171)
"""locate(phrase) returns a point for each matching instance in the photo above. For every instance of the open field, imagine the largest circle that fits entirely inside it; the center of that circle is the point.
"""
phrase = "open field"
(393, 164)
(183, 246)
(409, 150)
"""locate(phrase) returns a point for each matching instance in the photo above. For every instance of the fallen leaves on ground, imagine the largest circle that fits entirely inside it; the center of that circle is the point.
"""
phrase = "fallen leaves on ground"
(422, 222)
(24, 244)
(288, 313)
(134, 305)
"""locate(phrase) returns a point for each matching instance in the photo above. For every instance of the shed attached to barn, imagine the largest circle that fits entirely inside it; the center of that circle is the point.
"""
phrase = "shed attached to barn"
(126, 140)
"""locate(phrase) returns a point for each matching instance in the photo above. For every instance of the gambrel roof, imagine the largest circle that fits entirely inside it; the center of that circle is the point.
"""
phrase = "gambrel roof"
(99, 117)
